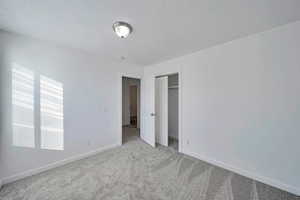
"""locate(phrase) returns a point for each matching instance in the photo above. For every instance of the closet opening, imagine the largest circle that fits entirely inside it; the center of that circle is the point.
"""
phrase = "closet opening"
(166, 110)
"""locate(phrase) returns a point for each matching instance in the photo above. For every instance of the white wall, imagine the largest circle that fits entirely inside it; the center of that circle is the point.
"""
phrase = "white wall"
(173, 106)
(92, 92)
(240, 105)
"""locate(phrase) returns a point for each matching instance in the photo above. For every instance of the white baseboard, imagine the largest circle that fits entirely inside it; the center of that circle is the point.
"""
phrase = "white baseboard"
(246, 173)
(54, 165)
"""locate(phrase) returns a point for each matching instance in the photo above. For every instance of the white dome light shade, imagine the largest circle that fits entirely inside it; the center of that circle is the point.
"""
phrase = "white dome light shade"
(122, 29)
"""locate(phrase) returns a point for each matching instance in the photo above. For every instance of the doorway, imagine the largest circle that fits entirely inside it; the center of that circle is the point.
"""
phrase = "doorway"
(167, 110)
(130, 109)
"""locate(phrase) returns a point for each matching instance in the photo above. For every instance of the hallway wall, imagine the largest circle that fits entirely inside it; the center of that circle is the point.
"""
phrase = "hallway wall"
(126, 83)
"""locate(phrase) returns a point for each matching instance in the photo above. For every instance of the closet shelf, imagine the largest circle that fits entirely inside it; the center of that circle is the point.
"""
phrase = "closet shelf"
(173, 87)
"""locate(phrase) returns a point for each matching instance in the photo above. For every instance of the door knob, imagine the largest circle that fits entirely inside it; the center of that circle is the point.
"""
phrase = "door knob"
(152, 114)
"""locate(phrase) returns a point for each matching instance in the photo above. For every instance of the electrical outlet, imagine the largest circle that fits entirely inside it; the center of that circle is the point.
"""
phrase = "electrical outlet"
(187, 142)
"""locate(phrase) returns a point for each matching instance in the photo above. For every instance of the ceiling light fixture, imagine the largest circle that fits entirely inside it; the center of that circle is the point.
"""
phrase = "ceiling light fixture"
(122, 29)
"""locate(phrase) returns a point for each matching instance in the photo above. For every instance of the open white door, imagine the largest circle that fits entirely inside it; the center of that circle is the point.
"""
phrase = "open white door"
(161, 110)
(148, 110)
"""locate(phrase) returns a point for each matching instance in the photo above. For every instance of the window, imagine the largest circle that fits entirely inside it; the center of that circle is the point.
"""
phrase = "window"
(52, 131)
(23, 107)
(24, 115)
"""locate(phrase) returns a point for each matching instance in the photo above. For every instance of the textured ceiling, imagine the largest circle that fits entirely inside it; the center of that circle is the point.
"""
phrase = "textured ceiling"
(163, 29)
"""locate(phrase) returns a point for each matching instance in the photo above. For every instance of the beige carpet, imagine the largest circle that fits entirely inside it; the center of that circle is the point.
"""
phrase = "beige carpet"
(138, 171)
